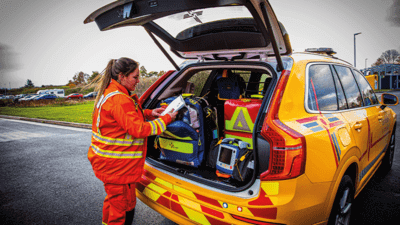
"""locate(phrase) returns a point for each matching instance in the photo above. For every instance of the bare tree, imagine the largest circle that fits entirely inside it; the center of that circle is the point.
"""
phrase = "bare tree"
(388, 57)
(80, 78)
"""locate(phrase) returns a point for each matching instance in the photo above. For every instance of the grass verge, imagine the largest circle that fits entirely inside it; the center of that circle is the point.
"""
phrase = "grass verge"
(76, 113)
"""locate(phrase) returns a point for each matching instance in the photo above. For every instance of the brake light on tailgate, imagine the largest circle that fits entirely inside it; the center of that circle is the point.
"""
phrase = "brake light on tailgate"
(288, 147)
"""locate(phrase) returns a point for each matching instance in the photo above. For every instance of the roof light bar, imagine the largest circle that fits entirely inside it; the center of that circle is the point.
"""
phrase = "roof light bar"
(327, 51)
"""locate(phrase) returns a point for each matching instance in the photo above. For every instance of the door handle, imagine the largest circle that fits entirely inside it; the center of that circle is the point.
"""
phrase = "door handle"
(358, 126)
(380, 118)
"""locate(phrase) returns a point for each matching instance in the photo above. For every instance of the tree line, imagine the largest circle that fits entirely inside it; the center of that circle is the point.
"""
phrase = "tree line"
(81, 78)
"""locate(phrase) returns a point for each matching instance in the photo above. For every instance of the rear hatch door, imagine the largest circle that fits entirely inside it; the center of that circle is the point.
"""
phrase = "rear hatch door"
(209, 29)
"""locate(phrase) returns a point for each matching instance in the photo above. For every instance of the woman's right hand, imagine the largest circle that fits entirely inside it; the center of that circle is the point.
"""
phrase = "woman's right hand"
(173, 114)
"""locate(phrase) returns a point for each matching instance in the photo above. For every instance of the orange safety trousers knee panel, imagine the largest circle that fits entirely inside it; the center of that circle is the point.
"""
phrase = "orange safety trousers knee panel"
(120, 199)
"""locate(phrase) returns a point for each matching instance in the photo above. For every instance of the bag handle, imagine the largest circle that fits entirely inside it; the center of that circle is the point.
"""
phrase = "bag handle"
(242, 144)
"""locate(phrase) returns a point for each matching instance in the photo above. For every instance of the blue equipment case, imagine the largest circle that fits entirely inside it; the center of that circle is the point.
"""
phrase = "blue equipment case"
(180, 142)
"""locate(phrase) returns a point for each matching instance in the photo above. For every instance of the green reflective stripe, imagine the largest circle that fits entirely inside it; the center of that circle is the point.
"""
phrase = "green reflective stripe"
(103, 223)
(171, 135)
(117, 154)
(177, 146)
(117, 141)
(161, 123)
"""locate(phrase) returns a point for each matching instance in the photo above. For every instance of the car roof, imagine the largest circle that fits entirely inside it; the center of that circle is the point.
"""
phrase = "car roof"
(314, 57)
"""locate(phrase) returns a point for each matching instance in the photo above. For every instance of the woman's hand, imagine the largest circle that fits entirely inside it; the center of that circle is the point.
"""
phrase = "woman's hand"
(157, 112)
(173, 114)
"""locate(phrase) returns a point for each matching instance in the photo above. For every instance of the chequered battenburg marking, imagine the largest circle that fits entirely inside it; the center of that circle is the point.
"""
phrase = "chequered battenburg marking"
(195, 211)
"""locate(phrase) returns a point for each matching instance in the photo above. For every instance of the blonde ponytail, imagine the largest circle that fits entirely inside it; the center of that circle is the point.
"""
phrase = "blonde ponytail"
(105, 80)
(123, 66)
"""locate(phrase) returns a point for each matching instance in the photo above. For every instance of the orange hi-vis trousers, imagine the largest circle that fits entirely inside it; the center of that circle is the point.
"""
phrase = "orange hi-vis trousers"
(119, 204)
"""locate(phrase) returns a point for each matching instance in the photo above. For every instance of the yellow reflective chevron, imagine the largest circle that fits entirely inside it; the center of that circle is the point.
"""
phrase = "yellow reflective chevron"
(240, 121)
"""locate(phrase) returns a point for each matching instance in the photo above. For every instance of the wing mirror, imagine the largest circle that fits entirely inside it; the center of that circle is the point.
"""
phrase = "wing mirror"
(389, 99)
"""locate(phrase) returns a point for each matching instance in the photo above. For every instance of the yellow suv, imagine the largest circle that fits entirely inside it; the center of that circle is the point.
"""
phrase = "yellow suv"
(265, 136)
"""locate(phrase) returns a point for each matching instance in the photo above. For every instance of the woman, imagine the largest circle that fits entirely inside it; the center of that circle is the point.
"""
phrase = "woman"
(119, 139)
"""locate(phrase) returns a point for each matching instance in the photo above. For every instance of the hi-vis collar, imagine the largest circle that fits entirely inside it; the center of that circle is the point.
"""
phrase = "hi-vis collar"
(103, 100)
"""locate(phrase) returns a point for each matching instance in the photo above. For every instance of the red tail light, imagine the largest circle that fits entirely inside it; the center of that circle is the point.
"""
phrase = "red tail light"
(288, 147)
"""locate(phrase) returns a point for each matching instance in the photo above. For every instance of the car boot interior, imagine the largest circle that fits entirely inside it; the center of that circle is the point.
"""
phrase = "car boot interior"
(221, 103)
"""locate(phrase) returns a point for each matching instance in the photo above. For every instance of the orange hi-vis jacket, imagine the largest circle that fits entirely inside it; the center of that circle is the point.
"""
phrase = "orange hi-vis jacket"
(119, 140)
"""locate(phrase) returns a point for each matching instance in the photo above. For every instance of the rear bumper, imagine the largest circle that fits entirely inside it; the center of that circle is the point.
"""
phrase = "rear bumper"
(295, 201)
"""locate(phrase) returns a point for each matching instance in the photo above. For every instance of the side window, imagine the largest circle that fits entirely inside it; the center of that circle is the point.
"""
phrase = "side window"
(196, 82)
(321, 89)
(340, 93)
(265, 80)
(368, 94)
(350, 87)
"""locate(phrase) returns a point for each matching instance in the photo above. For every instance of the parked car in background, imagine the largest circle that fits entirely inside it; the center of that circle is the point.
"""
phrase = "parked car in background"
(58, 92)
(18, 97)
(45, 96)
(74, 96)
(7, 97)
(90, 95)
(28, 97)
(302, 133)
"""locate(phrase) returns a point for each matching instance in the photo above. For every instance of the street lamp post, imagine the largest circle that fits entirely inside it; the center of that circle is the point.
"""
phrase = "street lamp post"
(355, 47)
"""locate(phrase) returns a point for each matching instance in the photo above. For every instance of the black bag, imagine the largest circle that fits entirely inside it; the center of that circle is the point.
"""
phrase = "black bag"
(242, 169)
(213, 153)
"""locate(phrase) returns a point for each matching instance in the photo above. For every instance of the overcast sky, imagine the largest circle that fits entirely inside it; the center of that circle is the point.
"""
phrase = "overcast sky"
(46, 41)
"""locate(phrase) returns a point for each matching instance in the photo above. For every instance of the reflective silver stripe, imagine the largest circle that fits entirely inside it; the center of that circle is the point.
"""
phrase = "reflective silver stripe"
(161, 123)
(100, 104)
(117, 141)
(154, 128)
(117, 154)
(100, 100)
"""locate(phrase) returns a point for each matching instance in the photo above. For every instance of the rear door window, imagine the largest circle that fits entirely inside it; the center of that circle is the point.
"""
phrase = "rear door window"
(339, 90)
(350, 87)
(321, 89)
(368, 94)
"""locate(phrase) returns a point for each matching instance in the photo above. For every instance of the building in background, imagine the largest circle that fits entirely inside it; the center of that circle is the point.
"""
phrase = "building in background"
(388, 76)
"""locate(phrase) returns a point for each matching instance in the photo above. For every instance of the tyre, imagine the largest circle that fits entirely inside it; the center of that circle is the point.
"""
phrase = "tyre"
(341, 209)
(387, 160)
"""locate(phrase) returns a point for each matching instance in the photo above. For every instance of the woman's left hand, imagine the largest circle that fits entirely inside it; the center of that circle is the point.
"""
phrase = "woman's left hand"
(157, 112)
